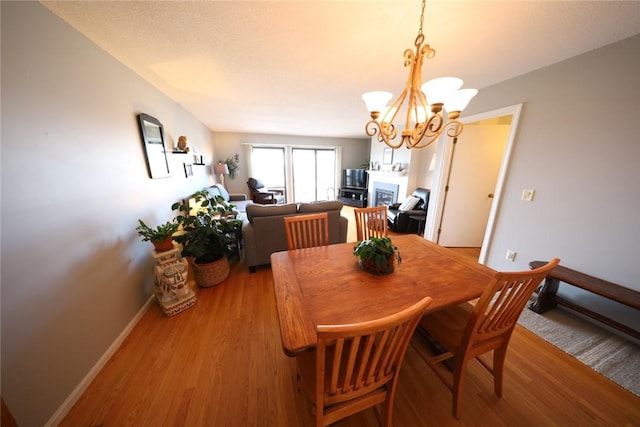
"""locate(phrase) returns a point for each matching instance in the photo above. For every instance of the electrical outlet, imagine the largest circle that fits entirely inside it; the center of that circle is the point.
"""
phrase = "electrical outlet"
(511, 255)
(527, 195)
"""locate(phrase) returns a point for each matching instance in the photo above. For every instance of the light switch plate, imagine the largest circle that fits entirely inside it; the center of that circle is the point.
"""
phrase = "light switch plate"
(527, 195)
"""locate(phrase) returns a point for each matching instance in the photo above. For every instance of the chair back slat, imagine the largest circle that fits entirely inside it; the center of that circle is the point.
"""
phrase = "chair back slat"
(333, 383)
(364, 356)
(364, 369)
(371, 222)
(501, 304)
(307, 231)
(378, 357)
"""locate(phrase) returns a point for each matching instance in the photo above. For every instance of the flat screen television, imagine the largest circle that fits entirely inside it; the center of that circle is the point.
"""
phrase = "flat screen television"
(354, 178)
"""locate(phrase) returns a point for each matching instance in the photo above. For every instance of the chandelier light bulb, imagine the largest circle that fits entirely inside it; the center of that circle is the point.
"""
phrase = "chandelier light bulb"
(376, 101)
(459, 100)
(438, 91)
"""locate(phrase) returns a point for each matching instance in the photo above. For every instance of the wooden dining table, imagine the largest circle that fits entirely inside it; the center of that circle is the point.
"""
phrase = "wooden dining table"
(325, 285)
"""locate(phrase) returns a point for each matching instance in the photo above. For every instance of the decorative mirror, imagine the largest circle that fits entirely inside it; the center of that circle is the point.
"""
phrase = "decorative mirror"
(152, 134)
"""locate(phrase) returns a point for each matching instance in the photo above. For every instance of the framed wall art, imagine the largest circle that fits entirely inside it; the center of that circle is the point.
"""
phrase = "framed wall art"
(188, 170)
(387, 156)
(152, 133)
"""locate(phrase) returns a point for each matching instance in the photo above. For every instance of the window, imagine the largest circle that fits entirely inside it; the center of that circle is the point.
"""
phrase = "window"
(307, 173)
(267, 164)
(313, 174)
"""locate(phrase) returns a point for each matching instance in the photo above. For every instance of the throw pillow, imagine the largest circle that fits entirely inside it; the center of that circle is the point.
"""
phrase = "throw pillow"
(223, 192)
(409, 203)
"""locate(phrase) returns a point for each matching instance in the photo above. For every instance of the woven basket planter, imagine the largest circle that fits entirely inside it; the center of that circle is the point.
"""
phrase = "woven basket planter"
(212, 273)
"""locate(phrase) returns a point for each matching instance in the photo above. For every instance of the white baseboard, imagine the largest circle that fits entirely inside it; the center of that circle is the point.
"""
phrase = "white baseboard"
(63, 410)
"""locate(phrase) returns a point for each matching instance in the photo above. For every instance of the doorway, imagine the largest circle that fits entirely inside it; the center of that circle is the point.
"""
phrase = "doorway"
(469, 179)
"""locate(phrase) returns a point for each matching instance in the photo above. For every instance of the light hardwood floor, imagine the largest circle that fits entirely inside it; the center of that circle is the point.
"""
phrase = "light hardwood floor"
(220, 363)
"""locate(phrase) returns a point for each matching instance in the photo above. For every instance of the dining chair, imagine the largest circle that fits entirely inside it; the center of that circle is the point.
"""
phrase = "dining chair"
(465, 331)
(356, 366)
(307, 231)
(371, 222)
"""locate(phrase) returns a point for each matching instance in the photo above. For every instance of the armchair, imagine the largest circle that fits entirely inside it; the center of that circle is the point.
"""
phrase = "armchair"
(398, 220)
(261, 195)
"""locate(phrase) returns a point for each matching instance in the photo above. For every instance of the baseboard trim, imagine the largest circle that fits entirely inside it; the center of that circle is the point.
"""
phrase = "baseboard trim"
(63, 410)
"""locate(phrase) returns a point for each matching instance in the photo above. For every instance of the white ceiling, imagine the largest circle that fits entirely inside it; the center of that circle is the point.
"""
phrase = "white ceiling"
(299, 67)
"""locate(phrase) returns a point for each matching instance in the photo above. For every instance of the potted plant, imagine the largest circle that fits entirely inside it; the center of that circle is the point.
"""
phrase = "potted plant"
(206, 236)
(377, 255)
(160, 237)
(233, 164)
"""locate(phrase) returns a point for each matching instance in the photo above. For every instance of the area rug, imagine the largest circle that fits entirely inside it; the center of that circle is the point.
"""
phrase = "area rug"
(607, 353)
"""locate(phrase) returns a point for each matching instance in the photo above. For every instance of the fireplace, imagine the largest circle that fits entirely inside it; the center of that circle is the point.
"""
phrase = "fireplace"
(385, 194)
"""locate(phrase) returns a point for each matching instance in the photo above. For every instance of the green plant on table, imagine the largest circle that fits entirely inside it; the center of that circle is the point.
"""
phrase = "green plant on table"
(378, 251)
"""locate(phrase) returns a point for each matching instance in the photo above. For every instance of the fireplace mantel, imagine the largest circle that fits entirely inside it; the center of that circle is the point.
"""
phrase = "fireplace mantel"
(389, 177)
(381, 174)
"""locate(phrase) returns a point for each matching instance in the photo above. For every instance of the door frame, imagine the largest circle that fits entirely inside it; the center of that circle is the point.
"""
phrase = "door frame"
(443, 165)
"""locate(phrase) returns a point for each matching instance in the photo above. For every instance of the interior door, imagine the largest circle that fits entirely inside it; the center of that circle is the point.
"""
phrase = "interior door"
(472, 180)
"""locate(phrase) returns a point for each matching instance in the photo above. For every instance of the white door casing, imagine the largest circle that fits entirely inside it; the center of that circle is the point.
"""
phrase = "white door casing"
(443, 162)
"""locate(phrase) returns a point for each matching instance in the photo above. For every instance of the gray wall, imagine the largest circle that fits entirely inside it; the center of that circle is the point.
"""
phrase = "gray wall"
(74, 183)
(578, 146)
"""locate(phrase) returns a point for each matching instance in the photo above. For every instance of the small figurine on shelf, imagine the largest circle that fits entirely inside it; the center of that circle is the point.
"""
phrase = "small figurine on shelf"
(182, 144)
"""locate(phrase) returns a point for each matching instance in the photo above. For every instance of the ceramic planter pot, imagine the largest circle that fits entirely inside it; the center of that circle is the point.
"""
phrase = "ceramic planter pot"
(163, 245)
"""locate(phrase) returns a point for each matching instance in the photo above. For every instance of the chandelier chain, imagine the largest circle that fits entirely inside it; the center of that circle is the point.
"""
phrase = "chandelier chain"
(424, 2)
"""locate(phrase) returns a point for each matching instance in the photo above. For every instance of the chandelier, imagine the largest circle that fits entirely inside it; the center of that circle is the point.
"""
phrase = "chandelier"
(425, 119)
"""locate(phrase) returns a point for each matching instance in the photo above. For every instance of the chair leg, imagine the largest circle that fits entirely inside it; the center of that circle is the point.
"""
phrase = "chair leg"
(499, 354)
(458, 384)
(387, 411)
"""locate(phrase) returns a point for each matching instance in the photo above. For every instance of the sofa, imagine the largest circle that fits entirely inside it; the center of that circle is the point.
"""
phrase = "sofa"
(240, 201)
(263, 231)
(398, 220)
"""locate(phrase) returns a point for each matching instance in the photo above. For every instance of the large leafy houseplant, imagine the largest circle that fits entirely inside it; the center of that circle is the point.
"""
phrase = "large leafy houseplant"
(233, 164)
(206, 228)
(377, 255)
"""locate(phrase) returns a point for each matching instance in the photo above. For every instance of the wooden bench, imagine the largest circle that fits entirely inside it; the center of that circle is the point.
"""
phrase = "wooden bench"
(547, 298)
